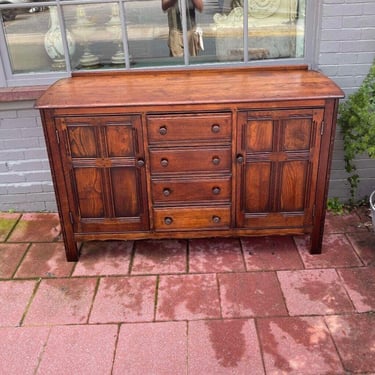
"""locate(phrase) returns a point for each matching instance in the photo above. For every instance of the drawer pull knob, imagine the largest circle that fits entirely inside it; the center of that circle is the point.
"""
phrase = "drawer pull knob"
(216, 219)
(216, 190)
(216, 160)
(163, 130)
(168, 220)
(140, 163)
(164, 162)
(240, 159)
(166, 192)
(215, 128)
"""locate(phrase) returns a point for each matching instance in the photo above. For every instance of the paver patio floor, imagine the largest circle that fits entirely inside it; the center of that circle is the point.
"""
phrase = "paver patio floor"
(195, 307)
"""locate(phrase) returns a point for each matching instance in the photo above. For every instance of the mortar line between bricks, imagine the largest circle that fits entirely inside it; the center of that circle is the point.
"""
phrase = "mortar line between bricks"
(21, 260)
(93, 299)
(115, 349)
(13, 229)
(334, 342)
(259, 344)
(36, 288)
(156, 295)
(132, 256)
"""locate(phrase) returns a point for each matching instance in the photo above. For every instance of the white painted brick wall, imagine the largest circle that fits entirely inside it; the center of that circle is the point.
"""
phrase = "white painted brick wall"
(25, 178)
(347, 50)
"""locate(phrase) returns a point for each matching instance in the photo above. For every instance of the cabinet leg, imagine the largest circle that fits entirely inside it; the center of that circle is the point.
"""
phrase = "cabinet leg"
(316, 241)
(71, 251)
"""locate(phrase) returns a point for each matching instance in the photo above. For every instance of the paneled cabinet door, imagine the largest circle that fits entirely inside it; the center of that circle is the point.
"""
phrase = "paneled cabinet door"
(104, 171)
(277, 161)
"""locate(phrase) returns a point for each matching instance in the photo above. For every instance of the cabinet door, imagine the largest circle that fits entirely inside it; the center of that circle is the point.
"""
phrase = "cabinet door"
(103, 162)
(277, 160)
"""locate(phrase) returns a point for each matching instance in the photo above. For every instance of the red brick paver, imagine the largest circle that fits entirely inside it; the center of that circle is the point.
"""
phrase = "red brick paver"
(251, 294)
(10, 257)
(224, 347)
(124, 299)
(159, 257)
(157, 348)
(271, 253)
(364, 245)
(104, 258)
(7, 223)
(188, 297)
(15, 296)
(36, 228)
(314, 292)
(241, 306)
(79, 349)
(45, 260)
(21, 349)
(215, 255)
(61, 301)
(299, 345)
(336, 252)
(360, 284)
(354, 336)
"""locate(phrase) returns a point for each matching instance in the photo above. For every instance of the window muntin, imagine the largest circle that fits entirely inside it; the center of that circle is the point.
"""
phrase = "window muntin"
(69, 36)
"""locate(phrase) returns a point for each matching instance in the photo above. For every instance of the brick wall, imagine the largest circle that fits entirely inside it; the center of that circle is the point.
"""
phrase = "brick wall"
(347, 50)
(25, 178)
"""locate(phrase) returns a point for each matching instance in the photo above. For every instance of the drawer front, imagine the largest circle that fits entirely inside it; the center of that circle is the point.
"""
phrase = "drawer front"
(191, 218)
(215, 189)
(197, 128)
(208, 159)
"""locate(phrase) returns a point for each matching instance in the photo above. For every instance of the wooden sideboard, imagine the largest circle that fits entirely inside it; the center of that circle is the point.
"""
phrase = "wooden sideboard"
(191, 153)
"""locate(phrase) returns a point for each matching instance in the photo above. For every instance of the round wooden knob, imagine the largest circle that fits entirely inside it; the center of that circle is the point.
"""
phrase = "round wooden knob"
(166, 192)
(163, 130)
(168, 220)
(216, 190)
(164, 162)
(216, 160)
(240, 158)
(215, 128)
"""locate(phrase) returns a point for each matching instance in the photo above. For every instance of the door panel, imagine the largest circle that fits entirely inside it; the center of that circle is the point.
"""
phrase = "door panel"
(88, 186)
(105, 183)
(293, 186)
(258, 176)
(277, 171)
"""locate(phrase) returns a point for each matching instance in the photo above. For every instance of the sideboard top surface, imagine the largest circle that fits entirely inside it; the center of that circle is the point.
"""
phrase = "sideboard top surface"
(201, 86)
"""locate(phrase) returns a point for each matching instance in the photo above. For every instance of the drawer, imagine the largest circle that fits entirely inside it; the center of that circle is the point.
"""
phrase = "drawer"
(189, 159)
(191, 218)
(190, 127)
(191, 190)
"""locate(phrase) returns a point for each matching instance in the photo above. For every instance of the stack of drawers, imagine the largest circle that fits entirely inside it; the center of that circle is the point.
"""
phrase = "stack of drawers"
(190, 165)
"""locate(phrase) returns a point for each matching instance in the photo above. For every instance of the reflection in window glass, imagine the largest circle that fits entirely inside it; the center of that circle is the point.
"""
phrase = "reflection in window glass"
(34, 41)
(96, 30)
(273, 30)
(156, 33)
(147, 29)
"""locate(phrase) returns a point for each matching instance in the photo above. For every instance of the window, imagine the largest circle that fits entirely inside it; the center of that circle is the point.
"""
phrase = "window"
(43, 41)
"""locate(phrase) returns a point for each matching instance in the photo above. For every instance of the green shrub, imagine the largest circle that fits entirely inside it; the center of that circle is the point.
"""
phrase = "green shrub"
(357, 121)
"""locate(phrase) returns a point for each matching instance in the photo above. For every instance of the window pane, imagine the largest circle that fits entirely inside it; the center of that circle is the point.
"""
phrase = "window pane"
(96, 31)
(223, 26)
(147, 27)
(274, 28)
(158, 33)
(34, 41)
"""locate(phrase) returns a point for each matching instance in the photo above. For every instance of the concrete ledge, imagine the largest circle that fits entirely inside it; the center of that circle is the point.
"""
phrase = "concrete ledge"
(12, 94)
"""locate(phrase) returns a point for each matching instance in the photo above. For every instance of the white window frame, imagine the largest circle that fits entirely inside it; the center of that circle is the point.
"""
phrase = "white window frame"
(311, 53)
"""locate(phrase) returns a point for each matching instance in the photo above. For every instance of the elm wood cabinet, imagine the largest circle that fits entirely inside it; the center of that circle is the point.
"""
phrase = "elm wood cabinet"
(190, 153)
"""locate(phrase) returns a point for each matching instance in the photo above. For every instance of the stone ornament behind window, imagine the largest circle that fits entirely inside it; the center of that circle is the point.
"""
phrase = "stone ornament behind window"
(263, 8)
